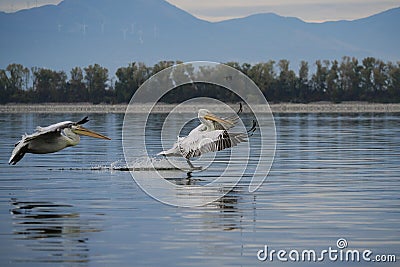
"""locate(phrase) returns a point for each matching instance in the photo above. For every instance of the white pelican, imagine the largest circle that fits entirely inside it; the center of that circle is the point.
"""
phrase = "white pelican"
(51, 139)
(210, 136)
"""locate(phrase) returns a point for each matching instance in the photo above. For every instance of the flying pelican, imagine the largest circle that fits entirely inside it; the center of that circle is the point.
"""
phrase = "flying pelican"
(210, 136)
(51, 139)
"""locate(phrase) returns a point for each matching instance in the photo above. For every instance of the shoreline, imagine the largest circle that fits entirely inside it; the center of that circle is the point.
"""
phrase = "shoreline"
(316, 107)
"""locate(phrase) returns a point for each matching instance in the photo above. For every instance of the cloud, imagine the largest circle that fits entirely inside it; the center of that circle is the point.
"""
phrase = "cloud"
(216, 10)
(15, 5)
(308, 10)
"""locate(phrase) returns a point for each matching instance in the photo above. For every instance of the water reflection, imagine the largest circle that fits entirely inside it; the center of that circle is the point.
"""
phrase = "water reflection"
(333, 176)
(56, 231)
(229, 210)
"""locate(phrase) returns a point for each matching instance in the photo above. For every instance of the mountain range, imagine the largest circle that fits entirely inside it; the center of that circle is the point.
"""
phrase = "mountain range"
(113, 33)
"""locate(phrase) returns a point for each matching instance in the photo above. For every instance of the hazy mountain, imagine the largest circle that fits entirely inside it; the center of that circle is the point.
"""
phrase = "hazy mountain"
(114, 33)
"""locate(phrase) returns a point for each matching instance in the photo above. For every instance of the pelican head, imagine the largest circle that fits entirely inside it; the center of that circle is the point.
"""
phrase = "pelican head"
(80, 130)
(205, 116)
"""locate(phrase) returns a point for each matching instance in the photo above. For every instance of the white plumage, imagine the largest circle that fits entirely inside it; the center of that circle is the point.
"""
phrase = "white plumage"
(210, 136)
(51, 139)
(195, 145)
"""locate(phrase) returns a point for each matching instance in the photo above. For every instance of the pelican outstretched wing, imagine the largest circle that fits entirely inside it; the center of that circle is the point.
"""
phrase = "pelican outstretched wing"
(61, 125)
(54, 128)
(22, 146)
(232, 120)
(203, 142)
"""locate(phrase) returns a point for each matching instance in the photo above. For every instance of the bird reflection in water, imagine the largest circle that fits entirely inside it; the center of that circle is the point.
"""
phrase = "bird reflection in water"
(228, 205)
(55, 231)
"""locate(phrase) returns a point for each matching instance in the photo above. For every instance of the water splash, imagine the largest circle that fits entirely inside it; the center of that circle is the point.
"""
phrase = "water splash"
(152, 163)
(143, 164)
(139, 164)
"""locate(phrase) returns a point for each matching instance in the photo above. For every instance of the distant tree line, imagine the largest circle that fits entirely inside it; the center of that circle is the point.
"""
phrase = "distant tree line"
(348, 80)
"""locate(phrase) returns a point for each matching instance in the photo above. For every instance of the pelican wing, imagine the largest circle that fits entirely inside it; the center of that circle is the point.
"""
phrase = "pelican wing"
(42, 133)
(225, 126)
(200, 143)
(45, 140)
(22, 146)
(54, 127)
(19, 151)
(58, 127)
(232, 121)
(51, 129)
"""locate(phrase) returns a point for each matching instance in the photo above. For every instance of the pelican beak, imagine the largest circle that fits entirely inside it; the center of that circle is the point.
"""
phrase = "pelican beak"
(212, 117)
(83, 131)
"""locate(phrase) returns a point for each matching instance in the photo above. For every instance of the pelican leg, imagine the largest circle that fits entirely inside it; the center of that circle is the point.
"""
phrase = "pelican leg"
(190, 164)
(189, 174)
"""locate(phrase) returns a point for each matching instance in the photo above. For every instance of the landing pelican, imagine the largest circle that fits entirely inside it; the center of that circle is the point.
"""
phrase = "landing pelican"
(51, 139)
(210, 136)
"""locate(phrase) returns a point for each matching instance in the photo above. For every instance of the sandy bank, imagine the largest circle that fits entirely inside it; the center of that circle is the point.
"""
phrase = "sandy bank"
(321, 107)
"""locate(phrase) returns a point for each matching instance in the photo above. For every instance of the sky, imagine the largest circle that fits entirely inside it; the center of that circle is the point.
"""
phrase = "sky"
(217, 10)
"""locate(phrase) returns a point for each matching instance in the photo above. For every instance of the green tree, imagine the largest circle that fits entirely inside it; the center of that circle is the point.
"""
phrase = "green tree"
(394, 82)
(129, 80)
(350, 78)
(50, 86)
(333, 88)
(14, 82)
(96, 78)
(381, 78)
(5, 92)
(367, 75)
(77, 91)
(245, 68)
(318, 80)
(303, 86)
(286, 81)
(162, 65)
(264, 76)
(374, 78)
(18, 76)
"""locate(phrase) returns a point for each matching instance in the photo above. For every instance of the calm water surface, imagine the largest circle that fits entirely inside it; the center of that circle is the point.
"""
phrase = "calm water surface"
(334, 176)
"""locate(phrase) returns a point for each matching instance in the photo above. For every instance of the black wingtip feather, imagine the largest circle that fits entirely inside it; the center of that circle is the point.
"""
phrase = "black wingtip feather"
(252, 129)
(17, 157)
(240, 108)
(83, 121)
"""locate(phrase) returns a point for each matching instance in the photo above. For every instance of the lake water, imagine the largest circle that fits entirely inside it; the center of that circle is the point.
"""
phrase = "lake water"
(334, 176)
